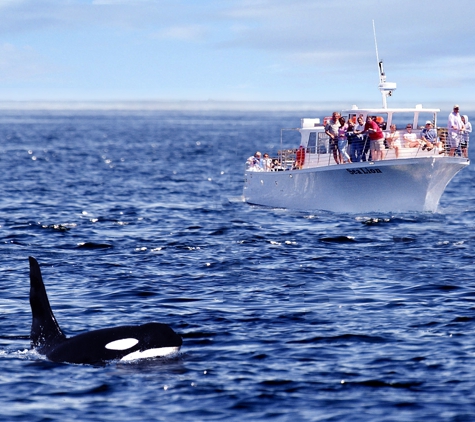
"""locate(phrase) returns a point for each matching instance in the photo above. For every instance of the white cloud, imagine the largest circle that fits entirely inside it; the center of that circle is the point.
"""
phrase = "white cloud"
(183, 33)
(341, 58)
(22, 63)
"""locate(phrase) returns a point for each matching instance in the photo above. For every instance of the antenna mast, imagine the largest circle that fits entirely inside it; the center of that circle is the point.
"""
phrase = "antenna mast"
(386, 88)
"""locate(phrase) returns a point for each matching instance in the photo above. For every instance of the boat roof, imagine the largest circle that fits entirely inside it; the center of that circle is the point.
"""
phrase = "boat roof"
(418, 108)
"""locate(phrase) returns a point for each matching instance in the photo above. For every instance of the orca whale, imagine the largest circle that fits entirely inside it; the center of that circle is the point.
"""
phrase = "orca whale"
(123, 343)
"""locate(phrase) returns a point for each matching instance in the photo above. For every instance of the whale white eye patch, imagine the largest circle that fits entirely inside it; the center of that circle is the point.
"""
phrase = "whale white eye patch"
(122, 344)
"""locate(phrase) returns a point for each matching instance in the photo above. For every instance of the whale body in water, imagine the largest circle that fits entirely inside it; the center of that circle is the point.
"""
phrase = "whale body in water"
(125, 343)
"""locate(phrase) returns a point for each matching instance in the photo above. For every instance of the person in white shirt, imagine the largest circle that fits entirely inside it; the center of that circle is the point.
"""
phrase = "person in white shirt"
(267, 162)
(255, 162)
(410, 138)
(454, 127)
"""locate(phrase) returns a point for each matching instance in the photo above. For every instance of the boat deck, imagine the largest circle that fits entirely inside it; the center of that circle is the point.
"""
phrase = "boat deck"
(321, 155)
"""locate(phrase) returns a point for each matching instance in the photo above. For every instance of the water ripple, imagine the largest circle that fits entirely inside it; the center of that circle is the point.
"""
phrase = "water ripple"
(136, 217)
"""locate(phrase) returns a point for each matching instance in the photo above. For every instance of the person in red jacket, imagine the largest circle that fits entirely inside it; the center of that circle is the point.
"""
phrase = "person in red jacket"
(376, 138)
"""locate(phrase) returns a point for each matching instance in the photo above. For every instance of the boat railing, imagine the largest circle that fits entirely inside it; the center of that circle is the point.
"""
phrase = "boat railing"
(319, 152)
(286, 159)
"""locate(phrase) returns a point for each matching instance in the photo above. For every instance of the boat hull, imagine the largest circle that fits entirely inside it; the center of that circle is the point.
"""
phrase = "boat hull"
(410, 185)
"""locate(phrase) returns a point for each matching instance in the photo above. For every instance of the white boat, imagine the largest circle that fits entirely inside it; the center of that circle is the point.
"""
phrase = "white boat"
(413, 182)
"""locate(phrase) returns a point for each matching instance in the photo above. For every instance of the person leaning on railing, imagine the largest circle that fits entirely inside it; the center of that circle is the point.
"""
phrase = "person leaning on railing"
(331, 129)
(343, 141)
(359, 143)
(376, 138)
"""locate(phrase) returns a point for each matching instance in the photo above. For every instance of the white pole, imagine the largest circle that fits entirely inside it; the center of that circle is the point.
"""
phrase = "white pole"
(382, 76)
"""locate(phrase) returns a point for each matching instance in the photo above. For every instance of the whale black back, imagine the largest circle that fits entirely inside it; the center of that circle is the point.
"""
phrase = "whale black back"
(128, 342)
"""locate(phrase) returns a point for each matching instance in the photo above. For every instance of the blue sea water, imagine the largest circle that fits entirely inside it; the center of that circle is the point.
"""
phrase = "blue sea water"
(136, 217)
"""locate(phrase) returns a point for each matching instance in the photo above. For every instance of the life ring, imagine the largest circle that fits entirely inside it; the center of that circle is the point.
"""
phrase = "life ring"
(300, 157)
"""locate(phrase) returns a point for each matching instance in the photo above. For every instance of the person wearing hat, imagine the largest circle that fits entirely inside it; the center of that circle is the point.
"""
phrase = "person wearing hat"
(429, 137)
(454, 127)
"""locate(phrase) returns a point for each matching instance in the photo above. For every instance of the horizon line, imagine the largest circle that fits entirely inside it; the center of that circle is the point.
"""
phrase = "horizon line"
(194, 105)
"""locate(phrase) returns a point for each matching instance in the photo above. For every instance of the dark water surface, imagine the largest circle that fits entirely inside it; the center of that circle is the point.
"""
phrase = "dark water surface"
(285, 315)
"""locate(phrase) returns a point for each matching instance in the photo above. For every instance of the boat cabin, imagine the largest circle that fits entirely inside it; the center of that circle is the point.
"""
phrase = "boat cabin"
(315, 141)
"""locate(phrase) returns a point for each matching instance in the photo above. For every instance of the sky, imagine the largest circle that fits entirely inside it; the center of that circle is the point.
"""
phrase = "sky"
(300, 51)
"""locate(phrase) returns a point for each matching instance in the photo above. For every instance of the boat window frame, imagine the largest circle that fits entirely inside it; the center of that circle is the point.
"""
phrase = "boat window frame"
(311, 147)
(323, 143)
(386, 116)
(417, 115)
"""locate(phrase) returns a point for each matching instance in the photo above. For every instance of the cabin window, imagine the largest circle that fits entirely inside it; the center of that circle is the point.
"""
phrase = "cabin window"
(312, 143)
(322, 143)
(424, 117)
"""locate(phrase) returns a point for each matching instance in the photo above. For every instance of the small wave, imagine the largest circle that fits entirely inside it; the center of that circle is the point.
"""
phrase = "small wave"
(381, 384)
(198, 334)
(235, 199)
(182, 299)
(58, 227)
(338, 239)
(357, 338)
(462, 319)
(373, 221)
(25, 354)
(404, 239)
(7, 337)
(93, 245)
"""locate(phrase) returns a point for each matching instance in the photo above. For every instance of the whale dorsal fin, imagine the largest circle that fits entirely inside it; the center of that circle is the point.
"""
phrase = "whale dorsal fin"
(45, 331)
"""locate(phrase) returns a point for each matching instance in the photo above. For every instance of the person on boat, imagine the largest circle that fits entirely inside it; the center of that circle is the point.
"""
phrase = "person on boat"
(343, 141)
(359, 149)
(299, 158)
(331, 129)
(276, 166)
(350, 135)
(380, 121)
(410, 138)
(255, 162)
(429, 137)
(267, 162)
(465, 135)
(393, 138)
(376, 139)
(454, 126)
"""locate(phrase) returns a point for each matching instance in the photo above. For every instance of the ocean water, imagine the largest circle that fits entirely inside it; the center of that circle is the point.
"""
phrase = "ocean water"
(136, 217)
